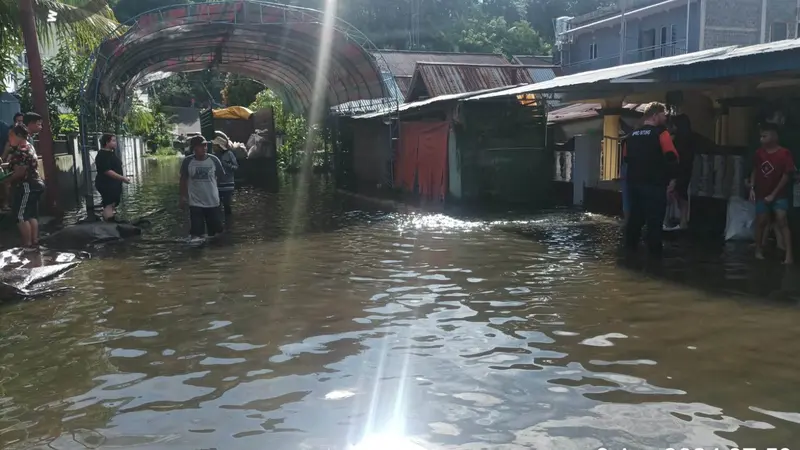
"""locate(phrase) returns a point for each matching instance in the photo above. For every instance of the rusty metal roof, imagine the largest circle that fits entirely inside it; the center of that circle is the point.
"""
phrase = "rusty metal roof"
(403, 83)
(389, 111)
(435, 79)
(531, 60)
(403, 63)
(581, 111)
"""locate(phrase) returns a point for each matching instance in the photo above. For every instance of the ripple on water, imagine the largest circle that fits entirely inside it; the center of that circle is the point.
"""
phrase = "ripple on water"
(374, 330)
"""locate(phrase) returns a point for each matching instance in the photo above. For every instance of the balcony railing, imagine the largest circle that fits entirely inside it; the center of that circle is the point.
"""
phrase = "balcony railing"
(630, 56)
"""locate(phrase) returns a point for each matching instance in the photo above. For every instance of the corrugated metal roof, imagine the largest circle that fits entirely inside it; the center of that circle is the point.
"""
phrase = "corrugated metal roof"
(760, 59)
(580, 111)
(403, 63)
(542, 74)
(364, 106)
(421, 103)
(448, 78)
(569, 82)
(530, 60)
(403, 83)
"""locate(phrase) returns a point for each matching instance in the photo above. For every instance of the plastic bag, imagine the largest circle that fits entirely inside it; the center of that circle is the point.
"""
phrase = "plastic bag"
(740, 225)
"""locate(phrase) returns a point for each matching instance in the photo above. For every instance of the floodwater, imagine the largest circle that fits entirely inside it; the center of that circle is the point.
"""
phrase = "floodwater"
(320, 324)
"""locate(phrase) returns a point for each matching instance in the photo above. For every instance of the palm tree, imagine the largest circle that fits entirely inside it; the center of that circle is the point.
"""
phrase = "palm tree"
(82, 22)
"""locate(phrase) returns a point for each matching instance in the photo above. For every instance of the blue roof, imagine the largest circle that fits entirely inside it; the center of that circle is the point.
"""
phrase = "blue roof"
(740, 61)
(542, 74)
(709, 64)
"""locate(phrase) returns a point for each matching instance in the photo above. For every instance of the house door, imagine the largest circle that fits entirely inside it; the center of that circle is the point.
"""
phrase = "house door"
(647, 44)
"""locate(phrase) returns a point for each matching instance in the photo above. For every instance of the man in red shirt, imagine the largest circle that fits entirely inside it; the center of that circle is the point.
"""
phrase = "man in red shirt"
(773, 167)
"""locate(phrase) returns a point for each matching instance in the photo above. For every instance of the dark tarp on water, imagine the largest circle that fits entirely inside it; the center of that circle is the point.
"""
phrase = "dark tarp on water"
(79, 236)
(275, 44)
(32, 274)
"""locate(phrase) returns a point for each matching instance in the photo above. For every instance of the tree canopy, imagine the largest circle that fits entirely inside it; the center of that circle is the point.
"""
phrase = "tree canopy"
(508, 27)
(501, 26)
(82, 23)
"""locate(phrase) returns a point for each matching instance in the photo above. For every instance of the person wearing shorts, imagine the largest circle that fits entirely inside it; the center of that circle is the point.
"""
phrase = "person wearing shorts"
(773, 167)
(27, 184)
(200, 173)
(109, 179)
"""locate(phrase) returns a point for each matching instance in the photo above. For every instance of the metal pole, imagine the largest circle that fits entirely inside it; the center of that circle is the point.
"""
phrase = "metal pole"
(622, 33)
(688, 11)
(87, 172)
(40, 101)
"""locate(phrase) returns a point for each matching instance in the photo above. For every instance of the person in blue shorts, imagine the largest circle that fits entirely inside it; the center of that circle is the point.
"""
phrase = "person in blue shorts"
(773, 167)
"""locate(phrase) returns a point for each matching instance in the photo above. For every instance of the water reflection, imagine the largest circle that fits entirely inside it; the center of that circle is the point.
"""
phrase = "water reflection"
(364, 329)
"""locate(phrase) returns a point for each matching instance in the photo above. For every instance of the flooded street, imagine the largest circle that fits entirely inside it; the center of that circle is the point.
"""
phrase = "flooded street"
(333, 325)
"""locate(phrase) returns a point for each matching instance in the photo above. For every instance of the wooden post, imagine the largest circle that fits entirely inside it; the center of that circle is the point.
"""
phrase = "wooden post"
(36, 72)
(611, 153)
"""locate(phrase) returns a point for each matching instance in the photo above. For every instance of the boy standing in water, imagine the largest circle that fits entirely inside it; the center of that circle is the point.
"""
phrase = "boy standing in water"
(109, 179)
(200, 173)
(773, 167)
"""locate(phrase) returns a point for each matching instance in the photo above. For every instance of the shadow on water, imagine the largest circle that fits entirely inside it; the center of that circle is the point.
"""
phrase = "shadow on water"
(395, 331)
(711, 265)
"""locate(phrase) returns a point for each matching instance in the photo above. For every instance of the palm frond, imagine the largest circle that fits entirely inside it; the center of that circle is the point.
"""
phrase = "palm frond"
(85, 23)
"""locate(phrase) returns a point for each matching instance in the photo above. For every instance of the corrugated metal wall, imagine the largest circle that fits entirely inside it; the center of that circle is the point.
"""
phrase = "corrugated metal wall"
(371, 152)
(504, 157)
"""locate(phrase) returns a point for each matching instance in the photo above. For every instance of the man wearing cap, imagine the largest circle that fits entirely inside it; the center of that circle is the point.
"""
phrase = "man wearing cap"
(200, 173)
(222, 149)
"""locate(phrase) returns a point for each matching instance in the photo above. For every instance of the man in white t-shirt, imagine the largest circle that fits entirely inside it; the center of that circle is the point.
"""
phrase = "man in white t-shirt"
(199, 174)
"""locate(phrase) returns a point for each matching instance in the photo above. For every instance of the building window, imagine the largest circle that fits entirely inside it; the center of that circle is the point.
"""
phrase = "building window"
(663, 48)
(797, 31)
(779, 31)
(593, 50)
(647, 44)
(673, 39)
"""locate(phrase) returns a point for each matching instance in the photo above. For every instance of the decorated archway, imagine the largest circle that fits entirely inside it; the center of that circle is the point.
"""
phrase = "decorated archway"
(275, 44)
(272, 43)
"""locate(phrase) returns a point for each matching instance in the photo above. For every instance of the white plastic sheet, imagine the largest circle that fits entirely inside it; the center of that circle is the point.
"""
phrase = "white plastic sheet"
(740, 225)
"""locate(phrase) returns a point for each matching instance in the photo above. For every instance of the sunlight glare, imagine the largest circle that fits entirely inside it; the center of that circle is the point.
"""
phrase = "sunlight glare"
(386, 441)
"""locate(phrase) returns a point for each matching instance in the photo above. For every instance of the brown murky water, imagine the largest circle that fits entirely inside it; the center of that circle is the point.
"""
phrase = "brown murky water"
(389, 331)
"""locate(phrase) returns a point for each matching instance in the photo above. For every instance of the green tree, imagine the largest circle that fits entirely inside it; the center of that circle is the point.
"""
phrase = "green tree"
(496, 36)
(63, 75)
(541, 14)
(293, 128)
(82, 23)
(151, 124)
(180, 89)
(240, 91)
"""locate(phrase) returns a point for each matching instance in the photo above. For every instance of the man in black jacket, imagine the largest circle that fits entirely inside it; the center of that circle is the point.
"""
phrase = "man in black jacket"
(652, 167)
